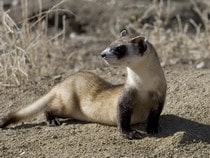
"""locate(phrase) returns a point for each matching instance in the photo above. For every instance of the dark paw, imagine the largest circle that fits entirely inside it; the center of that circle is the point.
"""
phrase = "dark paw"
(132, 135)
(152, 129)
(53, 122)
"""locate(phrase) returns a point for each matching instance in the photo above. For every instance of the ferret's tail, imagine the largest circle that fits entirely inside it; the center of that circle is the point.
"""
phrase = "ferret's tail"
(28, 111)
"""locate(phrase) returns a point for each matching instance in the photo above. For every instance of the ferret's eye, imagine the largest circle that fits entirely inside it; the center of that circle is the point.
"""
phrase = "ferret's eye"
(121, 49)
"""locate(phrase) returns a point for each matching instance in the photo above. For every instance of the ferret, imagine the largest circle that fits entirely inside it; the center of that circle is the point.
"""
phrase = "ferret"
(85, 96)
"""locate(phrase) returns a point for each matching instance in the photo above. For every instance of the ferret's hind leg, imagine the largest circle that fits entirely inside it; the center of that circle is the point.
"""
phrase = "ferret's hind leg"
(51, 119)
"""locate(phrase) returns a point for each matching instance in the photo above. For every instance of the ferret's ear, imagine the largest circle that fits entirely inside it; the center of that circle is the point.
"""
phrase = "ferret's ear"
(141, 42)
(123, 33)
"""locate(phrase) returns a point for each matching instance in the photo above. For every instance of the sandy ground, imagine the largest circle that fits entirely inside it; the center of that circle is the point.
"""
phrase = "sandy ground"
(185, 120)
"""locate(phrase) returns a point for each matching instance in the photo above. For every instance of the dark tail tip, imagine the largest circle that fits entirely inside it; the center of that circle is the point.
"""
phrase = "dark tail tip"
(9, 119)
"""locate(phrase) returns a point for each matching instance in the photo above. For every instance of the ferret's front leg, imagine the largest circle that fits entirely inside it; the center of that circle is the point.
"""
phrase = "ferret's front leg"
(154, 115)
(124, 112)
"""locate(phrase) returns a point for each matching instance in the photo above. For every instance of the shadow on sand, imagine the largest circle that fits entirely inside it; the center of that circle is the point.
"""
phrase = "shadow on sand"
(170, 124)
(192, 131)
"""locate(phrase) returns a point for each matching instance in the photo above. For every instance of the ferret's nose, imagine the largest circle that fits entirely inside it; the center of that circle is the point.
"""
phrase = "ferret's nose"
(103, 54)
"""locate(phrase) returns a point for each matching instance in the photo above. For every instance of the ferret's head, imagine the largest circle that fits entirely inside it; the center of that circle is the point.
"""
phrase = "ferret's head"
(126, 51)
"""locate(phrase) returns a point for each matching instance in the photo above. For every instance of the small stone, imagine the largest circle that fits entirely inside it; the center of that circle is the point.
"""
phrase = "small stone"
(163, 64)
(54, 137)
(22, 153)
(201, 65)
(58, 77)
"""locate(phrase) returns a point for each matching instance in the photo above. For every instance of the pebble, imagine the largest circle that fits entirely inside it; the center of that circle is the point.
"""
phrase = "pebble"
(201, 65)
(54, 137)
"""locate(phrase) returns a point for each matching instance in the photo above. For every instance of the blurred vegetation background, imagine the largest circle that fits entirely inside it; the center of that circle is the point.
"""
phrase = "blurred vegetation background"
(33, 33)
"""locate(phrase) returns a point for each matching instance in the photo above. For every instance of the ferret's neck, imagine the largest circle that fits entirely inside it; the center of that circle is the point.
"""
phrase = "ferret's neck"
(144, 78)
(133, 78)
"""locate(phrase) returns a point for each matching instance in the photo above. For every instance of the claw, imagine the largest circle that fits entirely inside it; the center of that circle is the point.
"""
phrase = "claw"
(132, 135)
(53, 122)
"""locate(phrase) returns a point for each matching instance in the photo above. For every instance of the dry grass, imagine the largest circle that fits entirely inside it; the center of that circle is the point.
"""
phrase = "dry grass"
(175, 45)
(19, 45)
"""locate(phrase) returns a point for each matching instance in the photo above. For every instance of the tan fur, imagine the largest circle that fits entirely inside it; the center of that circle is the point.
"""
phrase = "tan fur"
(87, 97)
(84, 96)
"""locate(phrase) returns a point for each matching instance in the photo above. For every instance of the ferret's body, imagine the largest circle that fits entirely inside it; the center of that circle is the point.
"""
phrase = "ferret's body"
(84, 96)
(87, 97)
(95, 102)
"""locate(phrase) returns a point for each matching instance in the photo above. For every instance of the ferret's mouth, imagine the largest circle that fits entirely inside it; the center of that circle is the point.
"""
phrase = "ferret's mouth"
(111, 60)
(109, 57)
